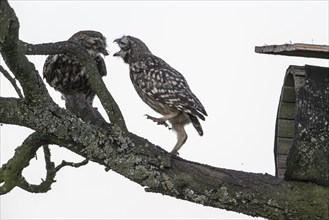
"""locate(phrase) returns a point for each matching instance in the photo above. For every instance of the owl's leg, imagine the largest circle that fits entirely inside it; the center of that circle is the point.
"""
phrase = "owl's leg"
(181, 137)
(83, 109)
(162, 120)
(159, 121)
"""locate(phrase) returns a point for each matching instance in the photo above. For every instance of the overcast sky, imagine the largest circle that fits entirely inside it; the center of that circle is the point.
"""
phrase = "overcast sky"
(212, 44)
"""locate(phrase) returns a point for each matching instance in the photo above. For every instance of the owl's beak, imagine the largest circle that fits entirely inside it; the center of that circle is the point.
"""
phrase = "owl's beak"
(117, 40)
(105, 52)
(118, 54)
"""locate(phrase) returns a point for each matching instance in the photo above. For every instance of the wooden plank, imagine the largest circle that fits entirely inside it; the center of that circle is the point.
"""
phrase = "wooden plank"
(287, 110)
(298, 49)
(285, 128)
(281, 161)
(289, 78)
(280, 173)
(283, 146)
(297, 74)
(288, 94)
(296, 70)
(299, 81)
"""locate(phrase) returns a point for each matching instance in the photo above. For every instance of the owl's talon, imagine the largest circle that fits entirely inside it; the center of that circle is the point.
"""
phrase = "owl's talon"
(159, 121)
(174, 153)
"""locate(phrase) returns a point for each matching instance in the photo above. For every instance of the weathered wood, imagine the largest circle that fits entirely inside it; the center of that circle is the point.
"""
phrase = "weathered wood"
(287, 110)
(298, 76)
(285, 128)
(282, 161)
(285, 144)
(288, 94)
(298, 49)
(285, 122)
(280, 172)
(308, 158)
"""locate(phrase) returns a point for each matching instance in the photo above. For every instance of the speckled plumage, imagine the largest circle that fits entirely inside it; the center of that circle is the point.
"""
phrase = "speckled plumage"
(66, 74)
(162, 87)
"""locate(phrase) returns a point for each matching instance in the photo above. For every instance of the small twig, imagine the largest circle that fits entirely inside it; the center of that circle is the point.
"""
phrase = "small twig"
(45, 185)
(12, 81)
(49, 165)
(71, 164)
(11, 172)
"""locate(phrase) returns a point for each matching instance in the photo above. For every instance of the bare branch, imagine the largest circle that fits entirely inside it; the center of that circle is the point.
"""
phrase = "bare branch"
(24, 71)
(129, 155)
(11, 172)
(12, 81)
(84, 110)
(49, 165)
(45, 185)
(71, 164)
(147, 164)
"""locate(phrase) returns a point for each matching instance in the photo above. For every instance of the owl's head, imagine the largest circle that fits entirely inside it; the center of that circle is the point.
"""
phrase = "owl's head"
(93, 41)
(131, 48)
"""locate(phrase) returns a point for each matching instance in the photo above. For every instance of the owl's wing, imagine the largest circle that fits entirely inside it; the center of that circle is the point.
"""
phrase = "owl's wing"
(66, 75)
(166, 85)
(56, 69)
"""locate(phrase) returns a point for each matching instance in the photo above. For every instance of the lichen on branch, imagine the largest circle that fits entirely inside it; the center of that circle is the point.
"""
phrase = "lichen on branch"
(134, 157)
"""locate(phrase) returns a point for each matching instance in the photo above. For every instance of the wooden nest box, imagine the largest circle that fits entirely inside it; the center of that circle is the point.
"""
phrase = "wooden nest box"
(301, 146)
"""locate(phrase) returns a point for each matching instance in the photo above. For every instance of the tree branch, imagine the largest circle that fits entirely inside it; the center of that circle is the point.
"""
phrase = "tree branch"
(12, 81)
(71, 164)
(108, 102)
(84, 110)
(45, 185)
(11, 172)
(129, 155)
(147, 165)
(24, 71)
(34, 89)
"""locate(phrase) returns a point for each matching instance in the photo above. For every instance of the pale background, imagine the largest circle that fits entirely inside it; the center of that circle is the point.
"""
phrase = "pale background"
(212, 44)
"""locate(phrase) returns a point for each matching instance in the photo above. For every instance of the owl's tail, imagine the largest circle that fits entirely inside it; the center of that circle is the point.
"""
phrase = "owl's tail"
(196, 124)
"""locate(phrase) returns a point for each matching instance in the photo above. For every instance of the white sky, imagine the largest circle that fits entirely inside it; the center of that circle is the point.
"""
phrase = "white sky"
(212, 44)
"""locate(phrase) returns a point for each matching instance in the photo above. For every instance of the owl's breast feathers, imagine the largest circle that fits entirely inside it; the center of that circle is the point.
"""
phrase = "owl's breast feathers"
(164, 88)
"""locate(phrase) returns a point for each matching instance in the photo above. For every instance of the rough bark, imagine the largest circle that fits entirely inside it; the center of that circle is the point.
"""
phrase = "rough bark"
(308, 158)
(112, 146)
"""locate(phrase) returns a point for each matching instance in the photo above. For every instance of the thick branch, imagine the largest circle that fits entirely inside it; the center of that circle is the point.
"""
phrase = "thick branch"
(45, 185)
(150, 166)
(132, 156)
(84, 110)
(11, 172)
(9, 110)
(32, 85)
